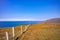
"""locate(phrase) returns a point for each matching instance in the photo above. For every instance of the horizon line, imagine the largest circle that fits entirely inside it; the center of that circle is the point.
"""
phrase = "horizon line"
(20, 20)
(24, 19)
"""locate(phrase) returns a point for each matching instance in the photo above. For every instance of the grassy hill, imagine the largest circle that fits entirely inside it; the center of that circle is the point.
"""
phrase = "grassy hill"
(34, 32)
(44, 31)
(53, 20)
(9, 30)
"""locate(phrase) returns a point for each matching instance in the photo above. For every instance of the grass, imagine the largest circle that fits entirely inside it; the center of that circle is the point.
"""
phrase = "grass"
(9, 30)
(42, 31)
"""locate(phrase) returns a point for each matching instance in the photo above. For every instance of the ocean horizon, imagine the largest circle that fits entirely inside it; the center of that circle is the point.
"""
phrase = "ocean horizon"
(6, 24)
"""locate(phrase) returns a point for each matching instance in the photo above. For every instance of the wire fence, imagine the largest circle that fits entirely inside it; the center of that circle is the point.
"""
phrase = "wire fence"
(8, 36)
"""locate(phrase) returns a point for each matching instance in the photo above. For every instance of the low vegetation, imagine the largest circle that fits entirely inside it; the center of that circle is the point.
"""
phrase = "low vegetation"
(44, 31)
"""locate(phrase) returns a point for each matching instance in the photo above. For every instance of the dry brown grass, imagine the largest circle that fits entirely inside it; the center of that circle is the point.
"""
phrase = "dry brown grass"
(9, 30)
(42, 32)
(36, 32)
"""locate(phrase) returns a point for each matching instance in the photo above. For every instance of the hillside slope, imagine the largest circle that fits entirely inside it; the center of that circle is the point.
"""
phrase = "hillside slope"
(48, 30)
(53, 20)
(17, 30)
(34, 32)
(42, 32)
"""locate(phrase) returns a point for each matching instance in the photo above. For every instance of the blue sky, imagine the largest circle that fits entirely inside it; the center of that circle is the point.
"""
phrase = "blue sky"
(29, 9)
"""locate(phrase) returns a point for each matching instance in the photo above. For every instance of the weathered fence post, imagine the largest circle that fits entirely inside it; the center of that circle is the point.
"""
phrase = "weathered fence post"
(6, 35)
(21, 29)
(26, 27)
(13, 32)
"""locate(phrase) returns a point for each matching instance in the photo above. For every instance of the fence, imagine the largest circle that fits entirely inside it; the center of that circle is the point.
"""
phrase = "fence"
(14, 36)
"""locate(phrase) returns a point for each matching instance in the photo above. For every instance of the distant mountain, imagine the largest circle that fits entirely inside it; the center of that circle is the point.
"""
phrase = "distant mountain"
(53, 20)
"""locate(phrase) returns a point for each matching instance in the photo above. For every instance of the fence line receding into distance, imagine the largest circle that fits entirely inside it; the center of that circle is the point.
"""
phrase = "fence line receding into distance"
(13, 34)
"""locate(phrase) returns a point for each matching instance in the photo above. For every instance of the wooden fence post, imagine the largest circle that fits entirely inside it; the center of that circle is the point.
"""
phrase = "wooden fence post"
(26, 27)
(6, 35)
(21, 29)
(13, 34)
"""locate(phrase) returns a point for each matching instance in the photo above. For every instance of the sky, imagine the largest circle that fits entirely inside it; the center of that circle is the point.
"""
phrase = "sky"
(29, 9)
